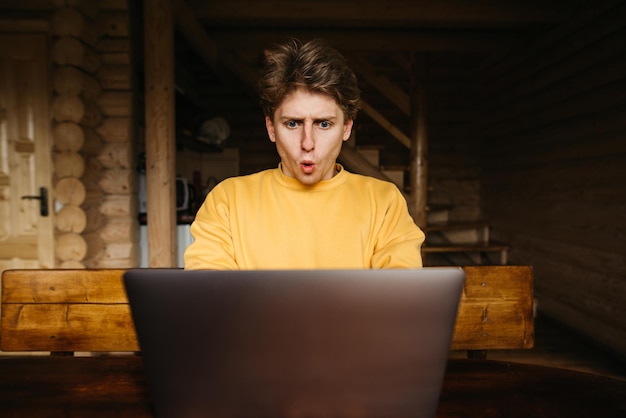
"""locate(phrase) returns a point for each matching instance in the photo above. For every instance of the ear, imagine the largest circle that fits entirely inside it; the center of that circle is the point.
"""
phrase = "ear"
(269, 125)
(347, 129)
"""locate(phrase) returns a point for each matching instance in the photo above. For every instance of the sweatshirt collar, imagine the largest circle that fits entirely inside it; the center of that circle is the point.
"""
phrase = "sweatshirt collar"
(295, 184)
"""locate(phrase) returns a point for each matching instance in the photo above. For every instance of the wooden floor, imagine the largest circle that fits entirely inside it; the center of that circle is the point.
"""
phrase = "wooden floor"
(557, 346)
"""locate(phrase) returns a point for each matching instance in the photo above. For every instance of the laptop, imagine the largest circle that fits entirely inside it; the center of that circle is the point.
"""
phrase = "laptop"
(303, 343)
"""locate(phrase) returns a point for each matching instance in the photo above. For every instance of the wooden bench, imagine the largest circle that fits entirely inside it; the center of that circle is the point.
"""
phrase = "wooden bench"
(66, 311)
(479, 248)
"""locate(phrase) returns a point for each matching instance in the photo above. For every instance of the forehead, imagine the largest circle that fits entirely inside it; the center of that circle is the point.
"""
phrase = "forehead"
(302, 102)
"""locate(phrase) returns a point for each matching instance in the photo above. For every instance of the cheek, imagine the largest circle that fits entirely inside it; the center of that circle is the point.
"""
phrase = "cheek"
(283, 145)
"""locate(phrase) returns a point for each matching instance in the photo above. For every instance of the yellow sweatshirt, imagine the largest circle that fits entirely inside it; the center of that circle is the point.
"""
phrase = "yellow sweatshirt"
(270, 221)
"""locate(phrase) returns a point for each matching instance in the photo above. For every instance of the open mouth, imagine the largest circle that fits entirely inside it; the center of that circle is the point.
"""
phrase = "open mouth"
(307, 166)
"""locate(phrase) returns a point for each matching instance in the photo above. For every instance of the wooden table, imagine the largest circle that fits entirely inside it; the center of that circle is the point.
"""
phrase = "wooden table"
(116, 387)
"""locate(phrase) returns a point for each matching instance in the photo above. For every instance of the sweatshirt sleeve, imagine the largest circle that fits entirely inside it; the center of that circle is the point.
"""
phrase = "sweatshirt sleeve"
(212, 246)
(399, 240)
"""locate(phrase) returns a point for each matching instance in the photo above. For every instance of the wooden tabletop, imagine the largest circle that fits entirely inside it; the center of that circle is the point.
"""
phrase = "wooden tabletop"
(116, 386)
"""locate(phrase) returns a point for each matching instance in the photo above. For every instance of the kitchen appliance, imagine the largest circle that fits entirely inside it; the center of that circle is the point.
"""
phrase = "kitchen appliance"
(184, 194)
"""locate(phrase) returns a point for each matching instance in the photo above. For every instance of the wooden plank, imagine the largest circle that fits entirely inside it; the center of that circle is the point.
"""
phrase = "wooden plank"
(598, 294)
(492, 325)
(526, 174)
(21, 247)
(160, 133)
(87, 310)
(369, 39)
(464, 248)
(66, 310)
(386, 124)
(63, 286)
(384, 86)
(593, 306)
(541, 111)
(394, 14)
(607, 335)
(585, 126)
(589, 25)
(599, 229)
(68, 327)
(501, 282)
(574, 257)
(556, 151)
(27, 24)
(455, 226)
(496, 309)
(193, 32)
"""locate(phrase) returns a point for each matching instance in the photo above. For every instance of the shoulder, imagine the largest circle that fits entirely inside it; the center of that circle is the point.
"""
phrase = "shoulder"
(228, 192)
(245, 181)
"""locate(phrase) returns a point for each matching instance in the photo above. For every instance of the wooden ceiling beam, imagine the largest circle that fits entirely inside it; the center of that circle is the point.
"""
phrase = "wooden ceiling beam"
(422, 13)
(371, 40)
(223, 63)
(194, 34)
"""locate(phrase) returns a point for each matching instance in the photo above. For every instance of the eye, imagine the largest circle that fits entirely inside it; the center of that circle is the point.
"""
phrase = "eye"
(292, 124)
(324, 124)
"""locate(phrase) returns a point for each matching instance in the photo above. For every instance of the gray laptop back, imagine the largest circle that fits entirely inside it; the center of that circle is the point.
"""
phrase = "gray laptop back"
(366, 343)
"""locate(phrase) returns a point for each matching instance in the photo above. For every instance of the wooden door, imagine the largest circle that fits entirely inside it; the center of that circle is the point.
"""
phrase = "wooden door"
(26, 236)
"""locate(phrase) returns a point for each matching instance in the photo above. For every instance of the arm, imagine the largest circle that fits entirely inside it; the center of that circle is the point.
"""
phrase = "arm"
(399, 240)
(212, 247)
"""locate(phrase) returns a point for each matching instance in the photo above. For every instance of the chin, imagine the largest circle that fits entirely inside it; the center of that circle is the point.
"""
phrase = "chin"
(309, 180)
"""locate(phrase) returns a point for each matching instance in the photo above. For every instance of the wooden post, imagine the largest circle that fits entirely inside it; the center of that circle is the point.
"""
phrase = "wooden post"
(419, 140)
(160, 139)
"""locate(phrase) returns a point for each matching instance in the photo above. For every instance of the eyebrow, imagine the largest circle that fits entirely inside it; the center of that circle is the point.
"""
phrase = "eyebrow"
(317, 119)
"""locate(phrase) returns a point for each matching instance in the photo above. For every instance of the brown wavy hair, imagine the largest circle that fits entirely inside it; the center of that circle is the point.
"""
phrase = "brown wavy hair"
(314, 65)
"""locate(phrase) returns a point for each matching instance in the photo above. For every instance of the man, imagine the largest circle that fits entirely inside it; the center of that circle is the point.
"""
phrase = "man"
(309, 213)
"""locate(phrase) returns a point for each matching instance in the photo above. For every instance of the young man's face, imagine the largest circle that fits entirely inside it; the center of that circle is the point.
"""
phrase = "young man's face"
(308, 129)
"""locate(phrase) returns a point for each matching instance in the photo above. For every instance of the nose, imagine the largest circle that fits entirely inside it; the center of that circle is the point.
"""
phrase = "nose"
(308, 142)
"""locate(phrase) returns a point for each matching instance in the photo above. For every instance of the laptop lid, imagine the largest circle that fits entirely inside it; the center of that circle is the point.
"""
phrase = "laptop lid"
(366, 343)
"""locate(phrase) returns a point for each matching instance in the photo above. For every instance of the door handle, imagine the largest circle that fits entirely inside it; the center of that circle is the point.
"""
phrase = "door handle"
(43, 200)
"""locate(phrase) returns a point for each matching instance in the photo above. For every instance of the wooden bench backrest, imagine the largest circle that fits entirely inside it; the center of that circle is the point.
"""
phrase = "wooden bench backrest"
(496, 309)
(66, 310)
(87, 310)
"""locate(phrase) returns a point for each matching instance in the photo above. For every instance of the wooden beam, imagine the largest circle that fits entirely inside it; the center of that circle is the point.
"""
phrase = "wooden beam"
(419, 141)
(25, 24)
(390, 40)
(160, 136)
(191, 30)
(385, 86)
(386, 124)
(223, 64)
(243, 70)
(381, 13)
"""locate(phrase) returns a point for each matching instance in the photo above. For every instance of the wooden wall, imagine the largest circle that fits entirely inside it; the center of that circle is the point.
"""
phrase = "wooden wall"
(92, 108)
(554, 167)
(454, 174)
(117, 158)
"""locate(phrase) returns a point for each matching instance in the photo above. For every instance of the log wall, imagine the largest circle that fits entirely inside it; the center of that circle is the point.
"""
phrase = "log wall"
(74, 113)
(116, 236)
(96, 221)
(553, 161)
